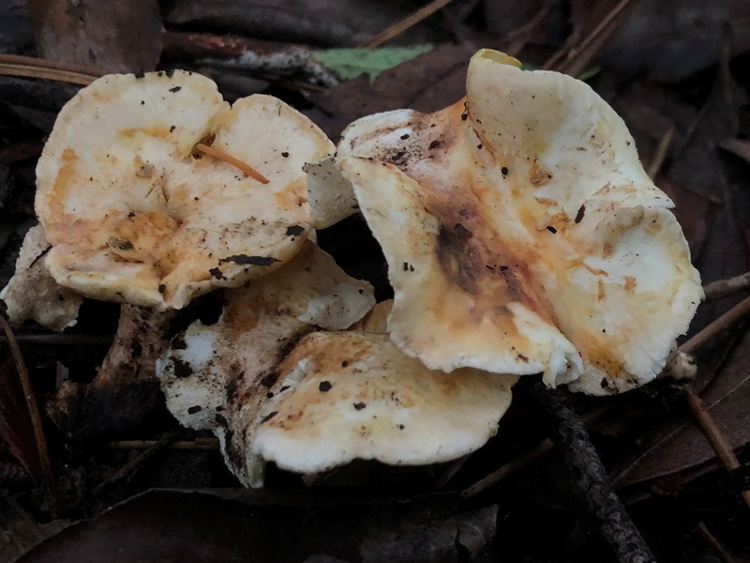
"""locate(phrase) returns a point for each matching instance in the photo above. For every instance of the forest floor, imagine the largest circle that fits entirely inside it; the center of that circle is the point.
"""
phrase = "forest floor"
(106, 474)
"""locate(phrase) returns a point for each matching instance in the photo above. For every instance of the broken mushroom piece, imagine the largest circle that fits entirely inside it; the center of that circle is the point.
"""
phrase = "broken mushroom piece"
(522, 234)
(33, 294)
(153, 190)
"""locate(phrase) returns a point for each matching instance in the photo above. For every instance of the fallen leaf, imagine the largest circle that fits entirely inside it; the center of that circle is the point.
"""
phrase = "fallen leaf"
(351, 63)
(681, 445)
(319, 22)
(670, 40)
(272, 526)
(738, 147)
(112, 36)
(426, 83)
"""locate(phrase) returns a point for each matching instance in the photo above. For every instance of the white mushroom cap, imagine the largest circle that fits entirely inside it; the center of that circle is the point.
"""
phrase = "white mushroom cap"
(522, 234)
(136, 214)
(355, 395)
(33, 294)
(273, 387)
(219, 376)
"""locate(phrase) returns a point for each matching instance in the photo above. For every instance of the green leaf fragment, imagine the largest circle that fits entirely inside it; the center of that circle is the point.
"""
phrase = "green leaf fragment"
(350, 63)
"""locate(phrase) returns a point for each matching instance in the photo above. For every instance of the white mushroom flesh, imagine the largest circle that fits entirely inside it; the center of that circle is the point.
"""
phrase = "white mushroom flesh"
(32, 293)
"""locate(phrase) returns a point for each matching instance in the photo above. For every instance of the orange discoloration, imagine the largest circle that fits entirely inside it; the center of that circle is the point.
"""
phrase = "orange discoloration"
(630, 283)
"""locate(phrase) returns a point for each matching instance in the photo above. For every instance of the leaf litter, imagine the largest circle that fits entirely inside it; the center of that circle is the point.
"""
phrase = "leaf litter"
(706, 183)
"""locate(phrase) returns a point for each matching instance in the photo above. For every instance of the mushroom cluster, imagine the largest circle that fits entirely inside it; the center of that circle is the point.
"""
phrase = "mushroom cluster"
(521, 233)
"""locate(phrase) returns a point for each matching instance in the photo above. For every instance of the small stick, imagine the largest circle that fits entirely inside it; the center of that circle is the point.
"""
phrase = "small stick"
(725, 288)
(589, 479)
(715, 437)
(661, 152)
(198, 444)
(524, 459)
(229, 159)
(33, 67)
(60, 339)
(409, 21)
(129, 467)
(453, 468)
(35, 415)
(725, 556)
(507, 469)
(577, 58)
(715, 328)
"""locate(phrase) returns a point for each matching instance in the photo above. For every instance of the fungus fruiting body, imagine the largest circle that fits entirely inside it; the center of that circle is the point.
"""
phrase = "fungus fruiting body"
(145, 196)
(278, 379)
(522, 233)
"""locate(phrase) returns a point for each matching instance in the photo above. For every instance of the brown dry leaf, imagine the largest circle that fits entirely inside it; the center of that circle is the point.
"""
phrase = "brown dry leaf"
(504, 17)
(321, 22)
(426, 83)
(273, 526)
(112, 36)
(668, 39)
(681, 444)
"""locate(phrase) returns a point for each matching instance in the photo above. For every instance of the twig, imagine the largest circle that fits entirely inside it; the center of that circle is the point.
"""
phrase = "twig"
(725, 556)
(453, 468)
(590, 482)
(60, 339)
(197, 444)
(409, 21)
(507, 469)
(516, 39)
(725, 288)
(661, 152)
(32, 67)
(524, 459)
(715, 437)
(576, 59)
(36, 418)
(133, 464)
(229, 159)
(716, 327)
(702, 415)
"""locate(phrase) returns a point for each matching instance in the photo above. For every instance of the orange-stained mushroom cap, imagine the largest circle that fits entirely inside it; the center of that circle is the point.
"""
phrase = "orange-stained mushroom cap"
(522, 234)
(137, 211)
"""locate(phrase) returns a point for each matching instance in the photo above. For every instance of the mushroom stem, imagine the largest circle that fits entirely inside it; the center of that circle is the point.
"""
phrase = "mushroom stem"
(229, 159)
(588, 476)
